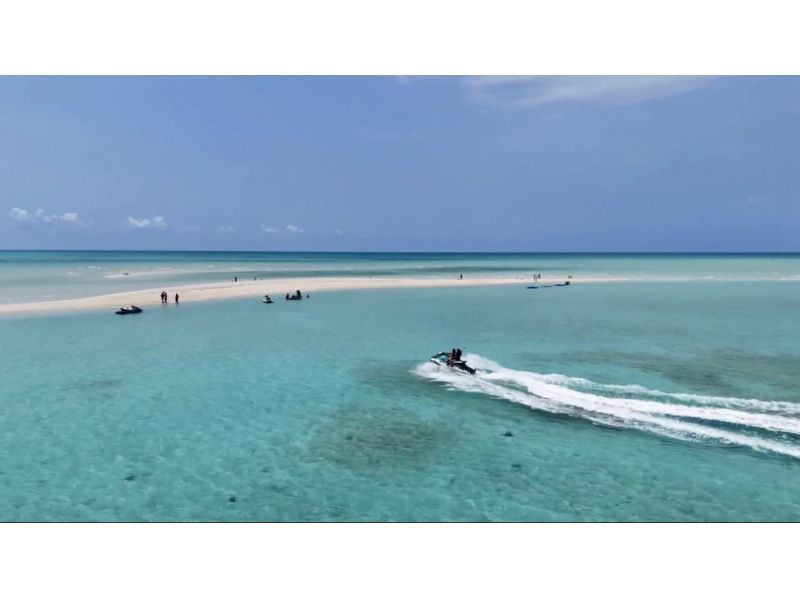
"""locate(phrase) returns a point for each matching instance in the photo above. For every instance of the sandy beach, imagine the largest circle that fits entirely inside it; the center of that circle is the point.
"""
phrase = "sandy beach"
(276, 288)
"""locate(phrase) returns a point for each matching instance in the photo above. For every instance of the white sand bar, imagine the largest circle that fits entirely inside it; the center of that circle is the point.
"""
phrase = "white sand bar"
(276, 288)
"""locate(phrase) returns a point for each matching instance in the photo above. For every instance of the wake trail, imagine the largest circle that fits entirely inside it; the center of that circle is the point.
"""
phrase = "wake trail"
(676, 415)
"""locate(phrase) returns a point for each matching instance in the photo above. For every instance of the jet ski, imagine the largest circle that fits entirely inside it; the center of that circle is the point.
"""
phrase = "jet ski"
(267, 300)
(548, 286)
(128, 310)
(443, 360)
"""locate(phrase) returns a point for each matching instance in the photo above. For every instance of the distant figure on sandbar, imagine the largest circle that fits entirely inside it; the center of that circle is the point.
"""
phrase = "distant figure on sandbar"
(461, 277)
(235, 279)
(176, 298)
(163, 296)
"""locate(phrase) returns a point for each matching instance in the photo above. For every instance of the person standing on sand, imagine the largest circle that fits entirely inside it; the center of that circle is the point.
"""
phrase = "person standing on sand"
(235, 279)
(461, 277)
(176, 298)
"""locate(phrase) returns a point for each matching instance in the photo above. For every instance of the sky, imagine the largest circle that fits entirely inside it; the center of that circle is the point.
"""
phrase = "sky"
(400, 163)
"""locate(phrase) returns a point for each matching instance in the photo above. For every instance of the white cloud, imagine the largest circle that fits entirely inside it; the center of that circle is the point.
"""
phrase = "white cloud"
(607, 90)
(19, 214)
(290, 228)
(140, 223)
(224, 230)
(42, 217)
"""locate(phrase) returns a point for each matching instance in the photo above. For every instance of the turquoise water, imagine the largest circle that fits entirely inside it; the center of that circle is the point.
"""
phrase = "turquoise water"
(622, 401)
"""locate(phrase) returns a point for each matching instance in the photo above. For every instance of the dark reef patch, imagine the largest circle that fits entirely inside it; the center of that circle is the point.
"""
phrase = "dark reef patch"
(101, 387)
(361, 437)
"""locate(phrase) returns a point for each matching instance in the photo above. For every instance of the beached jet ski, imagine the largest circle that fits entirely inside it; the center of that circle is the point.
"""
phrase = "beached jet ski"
(128, 310)
(443, 359)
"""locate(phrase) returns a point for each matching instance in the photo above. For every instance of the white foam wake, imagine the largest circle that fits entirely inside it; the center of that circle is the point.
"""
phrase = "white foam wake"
(684, 416)
(780, 407)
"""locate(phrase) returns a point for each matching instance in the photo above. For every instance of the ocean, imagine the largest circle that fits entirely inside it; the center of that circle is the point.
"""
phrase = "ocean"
(668, 394)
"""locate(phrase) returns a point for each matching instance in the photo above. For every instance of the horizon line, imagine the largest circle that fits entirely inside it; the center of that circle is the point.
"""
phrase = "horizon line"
(440, 252)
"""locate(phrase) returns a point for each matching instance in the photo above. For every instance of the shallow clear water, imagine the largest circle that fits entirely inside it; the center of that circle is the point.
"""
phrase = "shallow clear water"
(673, 401)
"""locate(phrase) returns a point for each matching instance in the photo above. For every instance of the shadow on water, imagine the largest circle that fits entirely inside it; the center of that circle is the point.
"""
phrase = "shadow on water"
(102, 388)
(101, 384)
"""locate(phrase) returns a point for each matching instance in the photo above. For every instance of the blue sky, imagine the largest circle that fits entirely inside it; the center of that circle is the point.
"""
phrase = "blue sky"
(388, 163)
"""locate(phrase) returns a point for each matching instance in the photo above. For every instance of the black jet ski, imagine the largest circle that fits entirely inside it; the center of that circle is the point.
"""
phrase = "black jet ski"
(443, 359)
(548, 286)
(128, 310)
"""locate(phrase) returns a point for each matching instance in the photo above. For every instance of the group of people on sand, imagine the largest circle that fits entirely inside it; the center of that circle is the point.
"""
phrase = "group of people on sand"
(537, 277)
(296, 296)
(164, 297)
